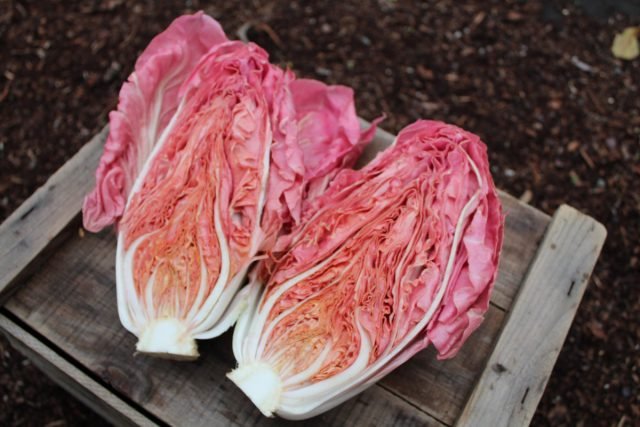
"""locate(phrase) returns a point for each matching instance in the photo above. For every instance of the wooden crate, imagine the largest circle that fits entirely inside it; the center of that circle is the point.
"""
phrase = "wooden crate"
(61, 313)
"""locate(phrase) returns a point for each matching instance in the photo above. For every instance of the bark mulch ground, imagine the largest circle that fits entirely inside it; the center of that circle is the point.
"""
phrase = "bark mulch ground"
(536, 80)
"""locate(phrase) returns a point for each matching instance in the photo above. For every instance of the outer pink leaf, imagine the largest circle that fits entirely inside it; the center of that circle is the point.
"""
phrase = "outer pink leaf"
(148, 101)
(330, 137)
(328, 131)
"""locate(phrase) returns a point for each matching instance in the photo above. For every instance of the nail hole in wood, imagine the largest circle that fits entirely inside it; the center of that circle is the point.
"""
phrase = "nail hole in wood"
(26, 214)
(524, 396)
(499, 368)
(573, 282)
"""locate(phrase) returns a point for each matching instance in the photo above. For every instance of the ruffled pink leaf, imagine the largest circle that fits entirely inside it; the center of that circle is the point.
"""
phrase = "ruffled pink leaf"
(148, 102)
(328, 131)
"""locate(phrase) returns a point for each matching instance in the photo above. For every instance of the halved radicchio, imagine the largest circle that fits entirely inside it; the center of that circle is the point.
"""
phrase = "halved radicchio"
(393, 257)
(209, 158)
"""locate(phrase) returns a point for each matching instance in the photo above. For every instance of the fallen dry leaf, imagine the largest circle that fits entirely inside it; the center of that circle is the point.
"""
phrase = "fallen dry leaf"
(625, 45)
(597, 330)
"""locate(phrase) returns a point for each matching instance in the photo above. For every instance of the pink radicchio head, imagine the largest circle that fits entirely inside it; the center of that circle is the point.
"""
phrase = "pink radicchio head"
(397, 255)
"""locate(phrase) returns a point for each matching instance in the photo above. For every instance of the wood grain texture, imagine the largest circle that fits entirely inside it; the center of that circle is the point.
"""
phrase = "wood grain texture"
(523, 232)
(441, 387)
(36, 223)
(83, 387)
(519, 367)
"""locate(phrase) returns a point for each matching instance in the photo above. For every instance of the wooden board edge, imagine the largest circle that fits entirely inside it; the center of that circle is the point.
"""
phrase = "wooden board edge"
(22, 238)
(89, 391)
(537, 212)
(33, 264)
(509, 389)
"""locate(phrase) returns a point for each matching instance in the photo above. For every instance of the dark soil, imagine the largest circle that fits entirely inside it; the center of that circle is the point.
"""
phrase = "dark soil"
(536, 80)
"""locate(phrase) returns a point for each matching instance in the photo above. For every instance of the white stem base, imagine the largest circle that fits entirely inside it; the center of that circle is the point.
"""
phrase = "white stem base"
(168, 338)
(261, 384)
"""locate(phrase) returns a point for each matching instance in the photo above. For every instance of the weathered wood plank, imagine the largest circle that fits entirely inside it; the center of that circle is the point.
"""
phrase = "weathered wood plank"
(441, 387)
(375, 407)
(71, 301)
(35, 224)
(517, 372)
(83, 387)
(523, 231)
